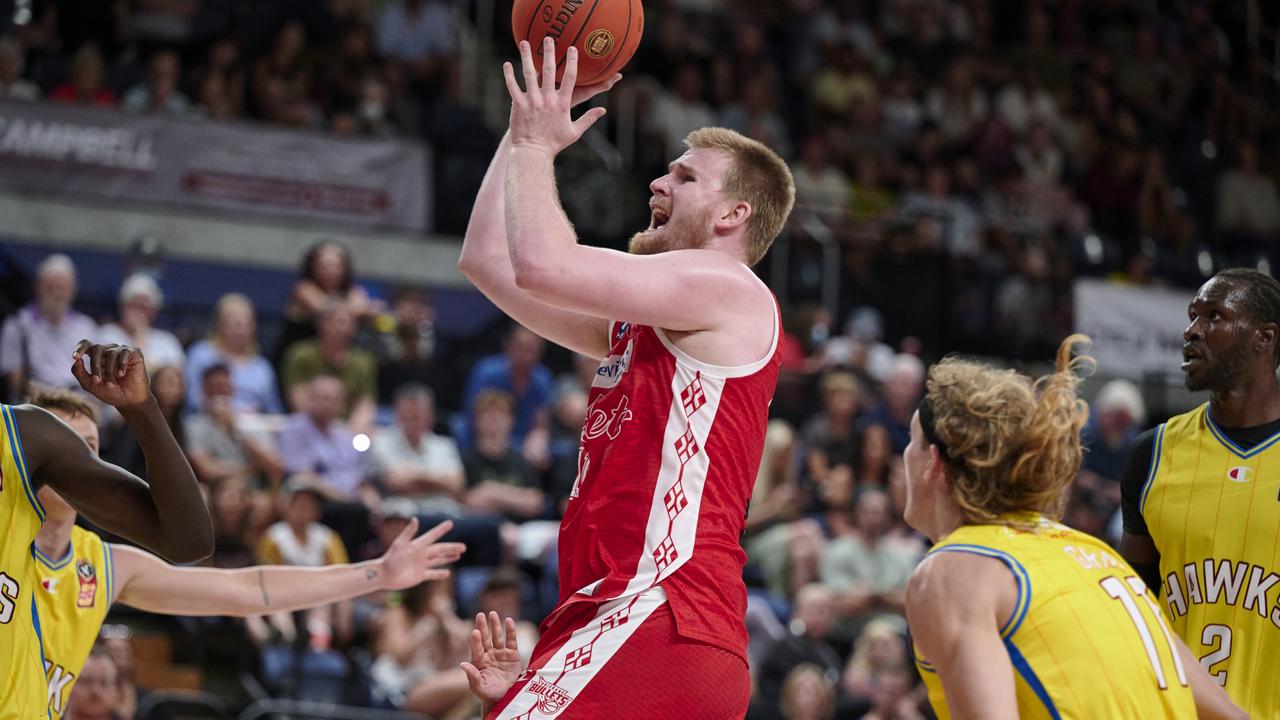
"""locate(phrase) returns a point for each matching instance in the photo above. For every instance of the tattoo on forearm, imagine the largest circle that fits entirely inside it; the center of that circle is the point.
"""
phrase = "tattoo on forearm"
(262, 583)
(370, 573)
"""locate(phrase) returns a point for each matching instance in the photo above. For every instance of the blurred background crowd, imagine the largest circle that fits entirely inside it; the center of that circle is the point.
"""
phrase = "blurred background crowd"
(959, 164)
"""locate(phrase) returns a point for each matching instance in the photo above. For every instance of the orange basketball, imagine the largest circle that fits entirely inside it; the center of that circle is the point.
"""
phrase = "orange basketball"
(606, 33)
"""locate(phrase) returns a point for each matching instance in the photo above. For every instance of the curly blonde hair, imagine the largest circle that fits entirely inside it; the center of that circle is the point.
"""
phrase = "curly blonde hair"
(1011, 444)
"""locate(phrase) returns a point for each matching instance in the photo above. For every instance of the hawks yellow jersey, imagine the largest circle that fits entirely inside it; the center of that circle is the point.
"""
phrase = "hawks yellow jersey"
(22, 686)
(1086, 639)
(1213, 511)
(73, 597)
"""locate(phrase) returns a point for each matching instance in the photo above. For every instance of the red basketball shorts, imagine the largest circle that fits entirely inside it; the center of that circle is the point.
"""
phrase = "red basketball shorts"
(624, 660)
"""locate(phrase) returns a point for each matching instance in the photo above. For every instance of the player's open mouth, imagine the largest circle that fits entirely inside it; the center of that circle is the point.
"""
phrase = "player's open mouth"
(1191, 358)
(659, 216)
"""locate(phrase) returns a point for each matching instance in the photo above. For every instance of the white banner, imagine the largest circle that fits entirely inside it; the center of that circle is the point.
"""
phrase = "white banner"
(1136, 331)
(230, 167)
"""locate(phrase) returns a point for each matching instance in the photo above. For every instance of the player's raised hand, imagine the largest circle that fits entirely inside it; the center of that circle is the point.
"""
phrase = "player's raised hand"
(411, 561)
(540, 112)
(495, 659)
(116, 374)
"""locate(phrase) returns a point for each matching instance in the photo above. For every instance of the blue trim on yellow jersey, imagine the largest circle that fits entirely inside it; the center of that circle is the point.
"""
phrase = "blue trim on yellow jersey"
(921, 663)
(1156, 447)
(109, 572)
(53, 564)
(19, 459)
(1024, 669)
(1234, 448)
(35, 622)
(1019, 574)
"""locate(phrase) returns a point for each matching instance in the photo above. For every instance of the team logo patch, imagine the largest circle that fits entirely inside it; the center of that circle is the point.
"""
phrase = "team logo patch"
(551, 698)
(1240, 474)
(87, 574)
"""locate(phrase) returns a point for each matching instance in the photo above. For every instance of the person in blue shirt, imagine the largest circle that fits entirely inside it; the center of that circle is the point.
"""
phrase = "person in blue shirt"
(518, 369)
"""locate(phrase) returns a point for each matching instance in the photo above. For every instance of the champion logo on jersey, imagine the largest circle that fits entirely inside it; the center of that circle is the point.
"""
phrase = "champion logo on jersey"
(1240, 474)
(50, 584)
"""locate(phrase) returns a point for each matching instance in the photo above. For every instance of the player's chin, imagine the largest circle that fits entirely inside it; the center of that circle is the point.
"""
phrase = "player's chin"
(1194, 380)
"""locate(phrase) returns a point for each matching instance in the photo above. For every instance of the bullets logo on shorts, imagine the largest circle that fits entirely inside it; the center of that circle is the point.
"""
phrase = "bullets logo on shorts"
(552, 699)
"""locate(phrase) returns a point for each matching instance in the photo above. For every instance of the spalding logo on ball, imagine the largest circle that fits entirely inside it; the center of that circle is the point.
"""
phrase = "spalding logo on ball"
(606, 33)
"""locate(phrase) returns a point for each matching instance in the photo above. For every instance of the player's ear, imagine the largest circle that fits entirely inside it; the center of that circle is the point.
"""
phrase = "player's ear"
(1265, 338)
(735, 215)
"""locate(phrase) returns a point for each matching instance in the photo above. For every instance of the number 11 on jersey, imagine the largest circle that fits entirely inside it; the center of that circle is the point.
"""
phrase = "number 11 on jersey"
(1128, 592)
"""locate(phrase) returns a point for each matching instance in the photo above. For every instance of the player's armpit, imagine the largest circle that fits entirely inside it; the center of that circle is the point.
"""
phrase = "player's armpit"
(961, 638)
(1140, 552)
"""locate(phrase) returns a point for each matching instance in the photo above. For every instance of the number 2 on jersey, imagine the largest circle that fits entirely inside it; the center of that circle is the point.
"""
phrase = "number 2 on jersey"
(1127, 592)
(1218, 636)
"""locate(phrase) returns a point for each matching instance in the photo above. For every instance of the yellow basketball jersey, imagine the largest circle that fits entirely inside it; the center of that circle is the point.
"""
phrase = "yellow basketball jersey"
(1086, 639)
(1213, 510)
(73, 598)
(22, 686)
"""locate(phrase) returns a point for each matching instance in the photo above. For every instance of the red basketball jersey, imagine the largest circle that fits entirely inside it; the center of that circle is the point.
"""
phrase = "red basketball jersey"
(668, 458)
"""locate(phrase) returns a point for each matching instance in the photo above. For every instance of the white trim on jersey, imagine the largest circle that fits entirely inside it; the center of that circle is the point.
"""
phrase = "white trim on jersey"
(567, 672)
(672, 528)
(726, 371)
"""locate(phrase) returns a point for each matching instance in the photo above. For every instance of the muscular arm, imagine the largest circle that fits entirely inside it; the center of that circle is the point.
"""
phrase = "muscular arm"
(1136, 545)
(486, 262)
(961, 638)
(168, 516)
(713, 288)
(148, 583)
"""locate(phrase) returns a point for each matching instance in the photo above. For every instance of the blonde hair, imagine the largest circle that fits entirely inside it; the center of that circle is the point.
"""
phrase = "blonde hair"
(71, 403)
(880, 628)
(756, 176)
(220, 309)
(1010, 444)
(493, 399)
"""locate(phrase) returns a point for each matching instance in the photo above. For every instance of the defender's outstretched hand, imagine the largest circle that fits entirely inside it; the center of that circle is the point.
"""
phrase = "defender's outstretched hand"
(411, 561)
(540, 112)
(116, 374)
(495, 659)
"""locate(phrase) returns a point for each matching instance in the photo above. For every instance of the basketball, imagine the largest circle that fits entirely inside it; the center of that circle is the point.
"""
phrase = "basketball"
(606, 33)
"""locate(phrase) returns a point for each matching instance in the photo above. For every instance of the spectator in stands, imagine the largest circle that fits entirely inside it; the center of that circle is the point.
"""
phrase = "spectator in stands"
(333, 353)
(810, 628)
(140, 300)
(232, 506)
(807, 694)
(879, 649)
(937, 201)
(829, 438)
(786, 550)
(117, 642)
(300, 539)
(1038, 157)
(96, 695)
(220, 82)
(1025, 102)
(86, 84)
(339, 76)
(12, 62)
(754, 114)
(325, 278)
(406, 343)
(121, 445)
(893, 699)
(568, 411)
(36, 342)
(280, 85)
(675, 113)
(418, 644)
(499, 479)
(903, 388)
(1248, 204)
(315, 440)
(868, 568)
(959, 104)
(842, 83)
(232, 342)
(518, 370)
(414, 462)
(820, 183)
(221, 444)
(159, 93)
(421, 38)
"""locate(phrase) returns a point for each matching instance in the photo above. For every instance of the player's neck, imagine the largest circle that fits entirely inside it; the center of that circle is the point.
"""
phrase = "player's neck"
(1256, 401)
(55, 536)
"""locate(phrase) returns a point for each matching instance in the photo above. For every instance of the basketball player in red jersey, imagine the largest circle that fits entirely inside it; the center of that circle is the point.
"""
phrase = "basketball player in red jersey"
(650, 619)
